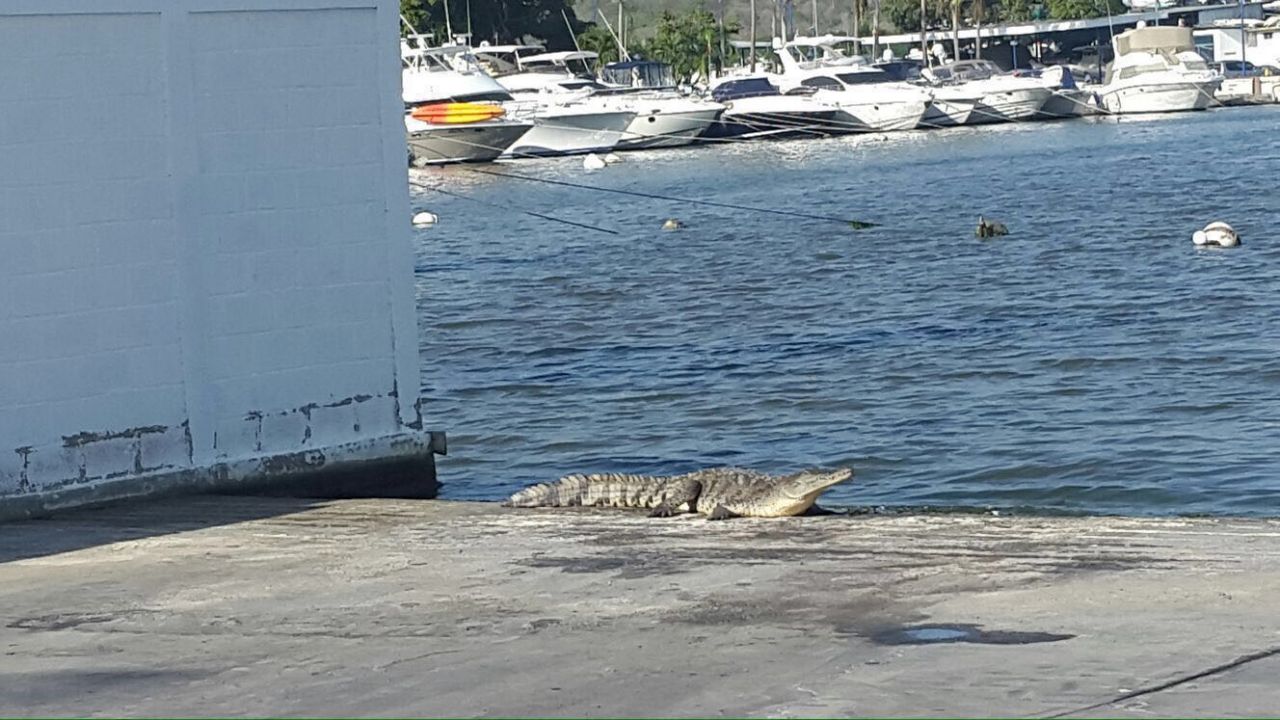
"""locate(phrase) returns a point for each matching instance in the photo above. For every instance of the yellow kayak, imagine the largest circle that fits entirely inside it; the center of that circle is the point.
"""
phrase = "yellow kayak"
(456, 113)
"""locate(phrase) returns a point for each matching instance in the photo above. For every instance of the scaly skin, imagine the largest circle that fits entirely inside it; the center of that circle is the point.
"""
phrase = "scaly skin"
(717, 492)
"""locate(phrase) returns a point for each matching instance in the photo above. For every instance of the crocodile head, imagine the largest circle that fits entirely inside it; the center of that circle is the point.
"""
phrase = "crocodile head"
(797, 492)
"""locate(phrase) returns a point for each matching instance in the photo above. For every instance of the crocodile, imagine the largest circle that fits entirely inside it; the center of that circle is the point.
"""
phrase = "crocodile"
(718, 493)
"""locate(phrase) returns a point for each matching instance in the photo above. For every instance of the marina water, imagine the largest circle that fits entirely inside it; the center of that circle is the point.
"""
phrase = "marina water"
(1092, 361)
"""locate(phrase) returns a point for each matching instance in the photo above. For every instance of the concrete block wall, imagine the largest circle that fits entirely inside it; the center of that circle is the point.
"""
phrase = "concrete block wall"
(203, 218)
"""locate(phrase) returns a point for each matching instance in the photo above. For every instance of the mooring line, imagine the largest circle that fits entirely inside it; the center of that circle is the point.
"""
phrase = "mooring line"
(856, 224)
(1215, 670)
(552, 218)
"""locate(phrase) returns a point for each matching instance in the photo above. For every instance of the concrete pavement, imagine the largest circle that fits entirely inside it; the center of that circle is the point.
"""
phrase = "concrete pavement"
(276, 606)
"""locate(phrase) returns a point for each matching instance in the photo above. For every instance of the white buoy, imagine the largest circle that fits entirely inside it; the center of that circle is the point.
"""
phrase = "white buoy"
(425, 219)
(592, 162)
(1216, 234)
(612, 159)
(672, 224)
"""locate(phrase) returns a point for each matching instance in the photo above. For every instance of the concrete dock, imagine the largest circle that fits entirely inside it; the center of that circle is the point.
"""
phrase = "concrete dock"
(278, 606)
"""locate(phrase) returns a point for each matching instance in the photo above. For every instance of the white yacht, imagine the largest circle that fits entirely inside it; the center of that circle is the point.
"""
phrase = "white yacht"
(755, 108)
(950, 105)
(665, 117)
(453, 113)
(1157, 70)
(568, 118)
(868, 98)
(1000, 97)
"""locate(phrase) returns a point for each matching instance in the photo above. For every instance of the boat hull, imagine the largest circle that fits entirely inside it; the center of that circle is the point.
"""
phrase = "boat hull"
(1068, 104)
(884, 116)
(775, 116)
(1009, 106)
(661, 128)
(444, 144)
(555, 134)
(947, 112)
(747, 125)
(1159, 98)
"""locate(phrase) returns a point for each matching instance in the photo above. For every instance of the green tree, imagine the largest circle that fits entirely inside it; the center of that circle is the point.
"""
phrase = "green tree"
(689, 43)
(1080, 9)
(1016, 10)
(416, 14)
(904, 15)
(496, 20)
(598, 40)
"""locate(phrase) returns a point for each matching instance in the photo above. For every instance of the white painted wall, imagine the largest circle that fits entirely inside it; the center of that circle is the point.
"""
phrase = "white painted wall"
(1261, 48)
(203, 219)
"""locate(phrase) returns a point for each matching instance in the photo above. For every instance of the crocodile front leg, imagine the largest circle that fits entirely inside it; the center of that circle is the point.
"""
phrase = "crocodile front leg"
(677, 492)
(722, 513)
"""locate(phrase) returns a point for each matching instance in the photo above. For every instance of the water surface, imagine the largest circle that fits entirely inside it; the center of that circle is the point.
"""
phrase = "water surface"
(1091, 361)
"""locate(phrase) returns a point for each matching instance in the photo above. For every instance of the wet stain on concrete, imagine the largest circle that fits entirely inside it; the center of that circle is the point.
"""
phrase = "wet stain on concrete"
(61, 621)
(628, 567)
(962, 633)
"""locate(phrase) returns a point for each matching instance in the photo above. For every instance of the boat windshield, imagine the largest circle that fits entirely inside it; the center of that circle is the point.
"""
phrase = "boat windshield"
(581, 84)
(747, 87)
(823, 82)
(424, 62)
(974, 69)
(498, 64)
(640, 74)
(864, 77)
(577, 66)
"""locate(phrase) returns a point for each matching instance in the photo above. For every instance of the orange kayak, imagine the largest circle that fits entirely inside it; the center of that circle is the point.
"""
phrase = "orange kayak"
(456, 113)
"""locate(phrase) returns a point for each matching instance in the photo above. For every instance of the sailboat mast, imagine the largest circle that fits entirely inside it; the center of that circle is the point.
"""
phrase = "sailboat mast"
(924, 46)
(753, 36)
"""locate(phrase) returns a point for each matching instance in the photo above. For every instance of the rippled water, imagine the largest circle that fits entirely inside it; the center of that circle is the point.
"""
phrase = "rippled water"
(1092, 361)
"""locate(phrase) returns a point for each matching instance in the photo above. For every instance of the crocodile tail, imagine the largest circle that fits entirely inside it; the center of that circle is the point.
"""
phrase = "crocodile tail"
(604, 489)
(565, 492)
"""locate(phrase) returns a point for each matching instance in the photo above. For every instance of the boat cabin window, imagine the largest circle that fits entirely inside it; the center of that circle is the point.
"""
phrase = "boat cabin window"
(866, 77)
(1136, 70)
(1196, 65)
(822, 82)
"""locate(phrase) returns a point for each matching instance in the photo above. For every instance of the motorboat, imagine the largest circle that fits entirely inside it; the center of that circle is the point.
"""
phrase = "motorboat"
(755, 108)
(950, 106)
(1069, 99)
(453, 113)
(1157, 69)
(665, 117)
(869, 99)
(568, 119)
(999, 97)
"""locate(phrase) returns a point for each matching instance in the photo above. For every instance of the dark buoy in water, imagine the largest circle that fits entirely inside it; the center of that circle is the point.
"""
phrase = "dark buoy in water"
(672, 224)
(990, 228)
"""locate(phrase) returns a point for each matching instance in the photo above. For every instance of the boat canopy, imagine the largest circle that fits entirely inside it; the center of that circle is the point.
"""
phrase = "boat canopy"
(1155, 38)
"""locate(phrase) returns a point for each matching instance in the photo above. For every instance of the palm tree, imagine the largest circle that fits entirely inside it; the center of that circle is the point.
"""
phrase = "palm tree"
(979, 9)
